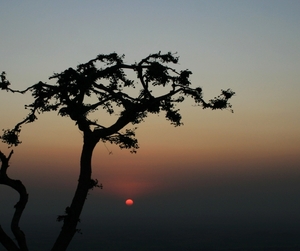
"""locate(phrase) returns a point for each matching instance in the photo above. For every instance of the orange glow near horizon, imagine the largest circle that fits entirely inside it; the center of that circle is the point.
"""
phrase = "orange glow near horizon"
(124, 188)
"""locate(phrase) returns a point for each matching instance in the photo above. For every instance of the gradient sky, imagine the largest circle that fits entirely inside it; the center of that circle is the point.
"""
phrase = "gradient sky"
(219, 164)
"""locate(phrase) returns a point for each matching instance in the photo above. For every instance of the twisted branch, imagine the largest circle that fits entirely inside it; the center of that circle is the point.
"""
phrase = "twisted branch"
(17, 185)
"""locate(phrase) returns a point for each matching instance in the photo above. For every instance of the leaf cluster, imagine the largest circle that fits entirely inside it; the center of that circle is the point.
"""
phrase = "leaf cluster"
(4, 83)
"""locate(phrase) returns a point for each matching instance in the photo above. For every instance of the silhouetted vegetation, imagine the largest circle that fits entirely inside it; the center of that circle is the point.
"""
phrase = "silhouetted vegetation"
(102, 82)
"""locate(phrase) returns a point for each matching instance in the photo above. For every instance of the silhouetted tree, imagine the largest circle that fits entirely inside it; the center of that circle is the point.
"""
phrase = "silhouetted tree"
(103, 83)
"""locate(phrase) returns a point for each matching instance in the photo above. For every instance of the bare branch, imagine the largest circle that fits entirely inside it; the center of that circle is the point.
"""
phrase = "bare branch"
(7, 242)
(19, 207)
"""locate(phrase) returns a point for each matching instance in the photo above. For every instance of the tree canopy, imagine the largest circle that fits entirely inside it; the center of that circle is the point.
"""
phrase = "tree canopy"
(103, 83)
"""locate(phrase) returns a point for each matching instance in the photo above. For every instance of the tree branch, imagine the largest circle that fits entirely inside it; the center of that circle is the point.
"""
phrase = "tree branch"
(7, 242)
(19, 207)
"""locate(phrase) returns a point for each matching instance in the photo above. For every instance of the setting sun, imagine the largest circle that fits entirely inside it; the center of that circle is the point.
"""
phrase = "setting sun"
(129, 202)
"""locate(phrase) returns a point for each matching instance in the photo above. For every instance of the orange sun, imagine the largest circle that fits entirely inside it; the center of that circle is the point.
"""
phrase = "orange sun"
(129, 202)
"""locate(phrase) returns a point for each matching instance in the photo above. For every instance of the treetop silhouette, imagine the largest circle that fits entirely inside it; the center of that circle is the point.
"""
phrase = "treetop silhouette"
(109, 83)
(73, 86)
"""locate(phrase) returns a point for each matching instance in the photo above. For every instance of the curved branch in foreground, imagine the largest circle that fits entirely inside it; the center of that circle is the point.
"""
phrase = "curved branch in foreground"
(17, 185)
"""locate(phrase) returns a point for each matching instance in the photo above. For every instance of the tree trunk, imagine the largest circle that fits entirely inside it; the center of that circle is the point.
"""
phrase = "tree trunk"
(85, 183)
